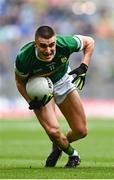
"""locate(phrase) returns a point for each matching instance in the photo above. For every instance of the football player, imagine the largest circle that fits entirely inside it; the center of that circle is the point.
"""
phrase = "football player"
(48, 56)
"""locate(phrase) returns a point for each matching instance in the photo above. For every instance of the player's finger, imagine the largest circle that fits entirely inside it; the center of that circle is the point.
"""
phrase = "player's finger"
(74, 79)
(72, 72)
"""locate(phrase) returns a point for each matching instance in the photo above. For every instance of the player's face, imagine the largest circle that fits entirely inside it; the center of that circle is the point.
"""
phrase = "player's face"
(46, 48)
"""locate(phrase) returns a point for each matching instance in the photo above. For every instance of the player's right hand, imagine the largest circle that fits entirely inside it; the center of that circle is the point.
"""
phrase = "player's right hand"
(36, 104)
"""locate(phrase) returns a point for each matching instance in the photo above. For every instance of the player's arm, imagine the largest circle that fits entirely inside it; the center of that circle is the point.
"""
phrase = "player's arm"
(21, 86)
(87, 46)
(21, 76)
(34, 103)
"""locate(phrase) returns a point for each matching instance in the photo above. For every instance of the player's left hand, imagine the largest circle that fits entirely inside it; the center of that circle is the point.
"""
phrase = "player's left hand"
(80, 72)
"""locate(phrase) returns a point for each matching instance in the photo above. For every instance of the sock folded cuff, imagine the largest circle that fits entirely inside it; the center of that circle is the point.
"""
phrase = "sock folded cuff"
(69, 150)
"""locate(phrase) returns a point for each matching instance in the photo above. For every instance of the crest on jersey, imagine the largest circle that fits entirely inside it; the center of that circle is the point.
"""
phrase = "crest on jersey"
(63, 59)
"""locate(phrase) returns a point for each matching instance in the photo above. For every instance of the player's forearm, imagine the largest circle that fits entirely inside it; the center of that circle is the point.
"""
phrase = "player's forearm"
(88, 50)
(21, 86)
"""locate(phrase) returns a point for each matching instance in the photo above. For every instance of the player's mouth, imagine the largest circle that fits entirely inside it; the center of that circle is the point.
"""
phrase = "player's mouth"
(48, 56)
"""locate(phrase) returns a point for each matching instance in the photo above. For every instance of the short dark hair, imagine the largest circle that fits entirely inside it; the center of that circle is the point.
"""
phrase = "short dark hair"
(44, 32)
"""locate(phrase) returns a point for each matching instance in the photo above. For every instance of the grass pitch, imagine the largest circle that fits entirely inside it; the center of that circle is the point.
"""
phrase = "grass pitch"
(24, 147)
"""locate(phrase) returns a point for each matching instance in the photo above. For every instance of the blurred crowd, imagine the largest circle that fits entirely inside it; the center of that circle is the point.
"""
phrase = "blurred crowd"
(20, 18)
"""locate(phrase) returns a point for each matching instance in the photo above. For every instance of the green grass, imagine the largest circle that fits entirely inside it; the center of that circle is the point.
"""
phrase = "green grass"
(24, 147)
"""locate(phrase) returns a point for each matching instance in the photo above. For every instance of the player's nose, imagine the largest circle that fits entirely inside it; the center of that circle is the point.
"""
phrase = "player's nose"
(47, 50)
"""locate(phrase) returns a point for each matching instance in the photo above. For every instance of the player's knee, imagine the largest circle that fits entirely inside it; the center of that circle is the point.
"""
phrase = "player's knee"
(82, 132)
(54, 133)
(79, 133)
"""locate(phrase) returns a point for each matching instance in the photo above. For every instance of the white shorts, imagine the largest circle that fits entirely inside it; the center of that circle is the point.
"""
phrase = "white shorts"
(63, 87)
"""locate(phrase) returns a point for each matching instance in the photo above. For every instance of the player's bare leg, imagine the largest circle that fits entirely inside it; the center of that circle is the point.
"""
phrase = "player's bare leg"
(48, 120)
(76, 120)
(74, 113)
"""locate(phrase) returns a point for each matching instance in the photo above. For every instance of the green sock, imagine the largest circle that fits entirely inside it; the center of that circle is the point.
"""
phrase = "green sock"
(69, 150)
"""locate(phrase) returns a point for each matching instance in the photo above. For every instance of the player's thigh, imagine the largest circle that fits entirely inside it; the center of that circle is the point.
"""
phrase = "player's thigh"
(73, 110)
(47, 117)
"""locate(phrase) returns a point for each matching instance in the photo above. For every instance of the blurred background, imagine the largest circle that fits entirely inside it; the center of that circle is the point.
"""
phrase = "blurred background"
(18, 22)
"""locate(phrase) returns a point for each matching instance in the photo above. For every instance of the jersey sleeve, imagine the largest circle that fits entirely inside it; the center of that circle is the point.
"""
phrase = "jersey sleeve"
(79, 41)
(19, 68)
(71, 43)
(75, 43)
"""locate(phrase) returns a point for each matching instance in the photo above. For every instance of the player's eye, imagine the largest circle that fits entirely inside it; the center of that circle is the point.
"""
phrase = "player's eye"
(43, 45)
(51, 44)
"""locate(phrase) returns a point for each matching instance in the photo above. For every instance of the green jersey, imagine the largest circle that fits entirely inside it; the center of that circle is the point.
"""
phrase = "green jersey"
(28, 64)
